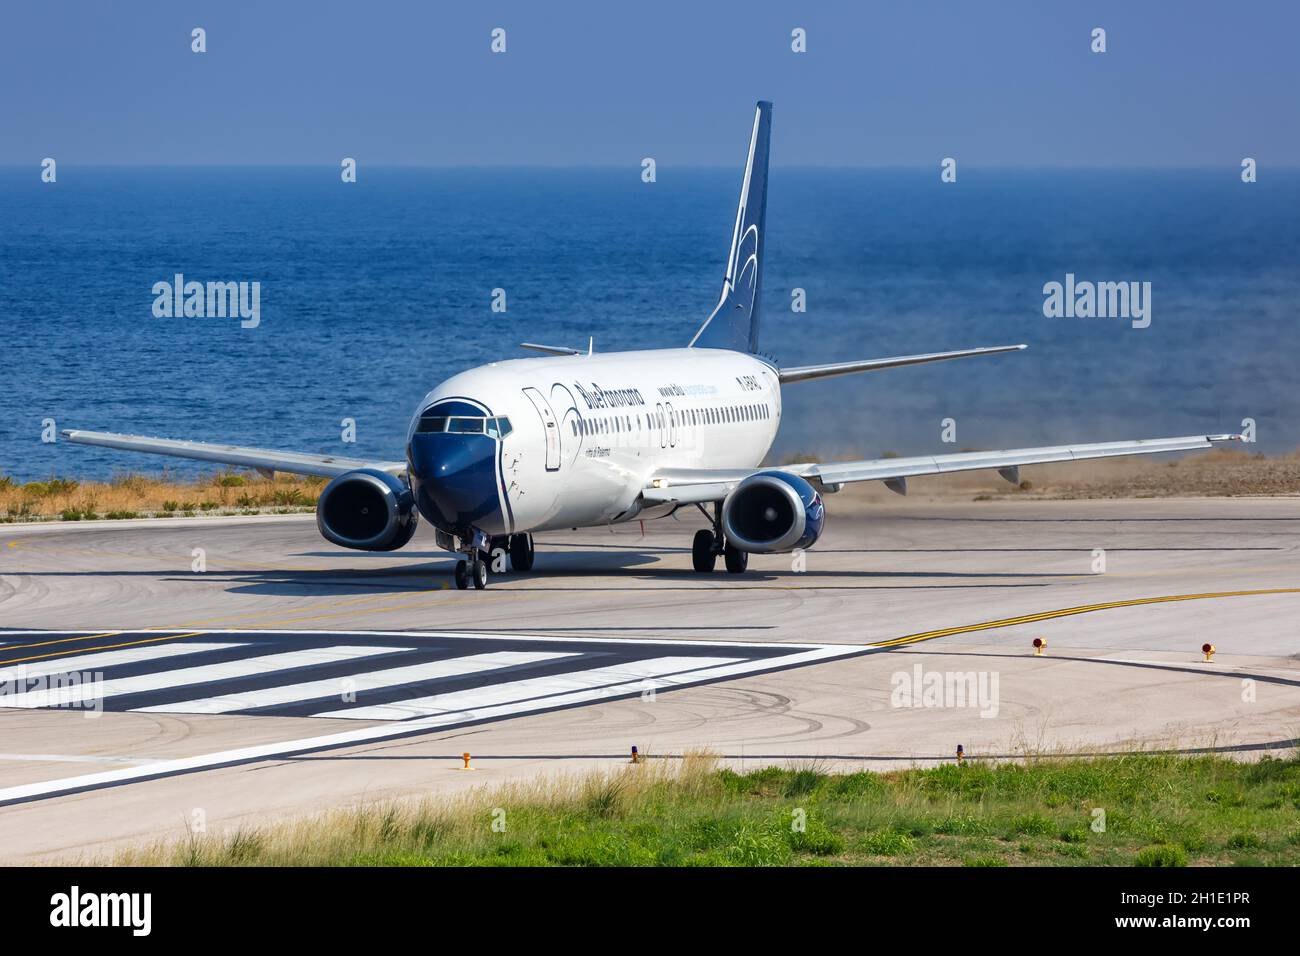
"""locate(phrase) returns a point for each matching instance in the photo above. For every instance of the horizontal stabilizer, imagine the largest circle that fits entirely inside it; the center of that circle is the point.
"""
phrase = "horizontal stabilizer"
(805, 372)
(550, 349)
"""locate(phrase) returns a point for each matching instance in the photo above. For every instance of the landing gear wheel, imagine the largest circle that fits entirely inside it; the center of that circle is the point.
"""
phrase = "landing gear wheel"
(479, 571)
(462, 575)
(703, 557)
(737, 560)
(522, 552)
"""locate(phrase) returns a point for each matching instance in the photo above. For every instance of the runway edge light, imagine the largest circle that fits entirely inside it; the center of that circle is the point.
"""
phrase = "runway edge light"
(961, 753)
(1040, 645)
(1208, 650)
(465, 757)
(635, 756)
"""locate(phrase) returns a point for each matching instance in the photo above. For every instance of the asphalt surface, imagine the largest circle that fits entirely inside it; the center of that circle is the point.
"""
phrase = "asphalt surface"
(288, 677)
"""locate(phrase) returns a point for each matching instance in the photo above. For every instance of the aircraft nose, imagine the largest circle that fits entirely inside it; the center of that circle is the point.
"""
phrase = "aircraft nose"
(454, 478)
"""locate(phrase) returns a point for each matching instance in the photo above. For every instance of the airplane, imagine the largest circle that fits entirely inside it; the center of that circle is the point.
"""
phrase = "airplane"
(577, 439)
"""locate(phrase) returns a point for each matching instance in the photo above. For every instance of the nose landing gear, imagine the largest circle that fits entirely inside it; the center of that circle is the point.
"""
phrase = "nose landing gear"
(475, 570)
(478, 562)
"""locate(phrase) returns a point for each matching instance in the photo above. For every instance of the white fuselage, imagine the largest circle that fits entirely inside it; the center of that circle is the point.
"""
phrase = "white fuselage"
(588, 432)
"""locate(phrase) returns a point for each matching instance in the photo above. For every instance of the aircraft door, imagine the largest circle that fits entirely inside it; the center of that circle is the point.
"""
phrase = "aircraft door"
(549, 425)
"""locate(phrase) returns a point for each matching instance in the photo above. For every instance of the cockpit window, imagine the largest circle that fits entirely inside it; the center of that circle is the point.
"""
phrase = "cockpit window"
(464, 425)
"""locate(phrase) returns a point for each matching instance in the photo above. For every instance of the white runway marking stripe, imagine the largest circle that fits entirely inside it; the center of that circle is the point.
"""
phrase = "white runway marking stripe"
(534, 687)
(89, 662)
(360, 683)
(369, 735)
(244, 667)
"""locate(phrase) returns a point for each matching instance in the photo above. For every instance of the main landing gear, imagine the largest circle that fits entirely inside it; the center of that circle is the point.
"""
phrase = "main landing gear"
(476, 567)
(709, 544)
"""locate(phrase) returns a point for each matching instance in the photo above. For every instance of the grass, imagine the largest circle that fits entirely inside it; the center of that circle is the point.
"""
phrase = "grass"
(134, 495)
(1158, 811)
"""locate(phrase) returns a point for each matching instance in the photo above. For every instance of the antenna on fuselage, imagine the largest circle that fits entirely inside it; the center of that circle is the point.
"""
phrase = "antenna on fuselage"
(591, 344)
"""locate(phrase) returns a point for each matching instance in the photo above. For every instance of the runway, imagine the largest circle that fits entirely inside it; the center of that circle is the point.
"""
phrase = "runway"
(246, 668)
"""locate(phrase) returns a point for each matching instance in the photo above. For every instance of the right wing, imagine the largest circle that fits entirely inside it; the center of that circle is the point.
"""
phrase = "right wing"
(702, 485)
(265, 460)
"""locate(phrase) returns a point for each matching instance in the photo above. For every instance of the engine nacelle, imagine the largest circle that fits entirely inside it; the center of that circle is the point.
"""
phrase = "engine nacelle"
(367, 510)
(773, 511)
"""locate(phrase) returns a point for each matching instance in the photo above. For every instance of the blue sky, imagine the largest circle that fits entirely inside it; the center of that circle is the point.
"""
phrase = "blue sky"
(882, 84)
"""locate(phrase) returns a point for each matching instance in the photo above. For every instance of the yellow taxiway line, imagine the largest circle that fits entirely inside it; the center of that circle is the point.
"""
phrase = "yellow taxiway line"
(1069, 612)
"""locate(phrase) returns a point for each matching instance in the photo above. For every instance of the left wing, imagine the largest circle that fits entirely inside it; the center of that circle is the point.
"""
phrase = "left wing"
(686, 486)
(299, 463)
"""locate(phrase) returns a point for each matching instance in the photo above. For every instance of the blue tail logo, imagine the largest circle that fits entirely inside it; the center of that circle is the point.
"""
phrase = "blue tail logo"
(734, 322)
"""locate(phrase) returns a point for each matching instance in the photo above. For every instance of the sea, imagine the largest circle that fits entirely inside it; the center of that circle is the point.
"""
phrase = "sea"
(372, 292)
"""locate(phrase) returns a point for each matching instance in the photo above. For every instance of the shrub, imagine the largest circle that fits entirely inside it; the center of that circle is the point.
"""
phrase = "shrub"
(1161, 854)
(815, 837)
(887, 842)
(129, 481)
(1033, 824)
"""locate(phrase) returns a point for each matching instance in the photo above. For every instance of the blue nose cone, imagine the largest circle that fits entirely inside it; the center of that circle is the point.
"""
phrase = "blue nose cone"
(454, 479)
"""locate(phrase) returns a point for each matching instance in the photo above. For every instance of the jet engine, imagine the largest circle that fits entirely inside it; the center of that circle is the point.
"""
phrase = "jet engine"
(773, 511)
(367, 510)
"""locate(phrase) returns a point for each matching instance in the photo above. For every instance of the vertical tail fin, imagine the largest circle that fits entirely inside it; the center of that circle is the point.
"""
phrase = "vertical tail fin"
(734, 322)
